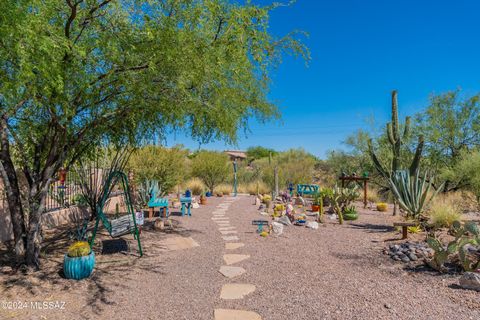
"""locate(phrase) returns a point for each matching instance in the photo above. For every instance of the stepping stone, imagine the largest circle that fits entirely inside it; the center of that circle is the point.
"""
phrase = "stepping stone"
(228, 232)
(233, 246)
(231, 238)
(231, 272)
(220, 218)
(179, 243)
(233, 291)
(226, 228)
(234, 258)
(224, 224)
(232, 314)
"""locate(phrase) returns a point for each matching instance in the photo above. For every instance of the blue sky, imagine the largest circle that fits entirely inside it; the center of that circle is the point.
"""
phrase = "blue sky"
(361, 50)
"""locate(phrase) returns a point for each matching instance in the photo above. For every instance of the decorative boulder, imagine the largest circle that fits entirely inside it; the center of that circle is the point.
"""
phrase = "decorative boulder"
(470, 280)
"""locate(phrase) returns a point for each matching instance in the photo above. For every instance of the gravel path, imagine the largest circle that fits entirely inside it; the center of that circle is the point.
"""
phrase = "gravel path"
(335, 272)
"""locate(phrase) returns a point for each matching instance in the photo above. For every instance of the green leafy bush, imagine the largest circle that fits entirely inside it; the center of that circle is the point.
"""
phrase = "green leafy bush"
(165, 165)
(211, 167)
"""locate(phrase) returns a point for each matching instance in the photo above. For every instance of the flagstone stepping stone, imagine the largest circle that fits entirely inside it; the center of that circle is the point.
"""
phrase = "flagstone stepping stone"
(228, 232)
(226, 228)
(231, 238)
(232, 314)
(231, 272)
(234, 258)
(179, 243)
(233, 291)
(233, 246)
(220, 218)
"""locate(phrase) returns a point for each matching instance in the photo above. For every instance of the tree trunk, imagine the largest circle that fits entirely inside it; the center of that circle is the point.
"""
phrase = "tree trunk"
(10, 182)
(34, 237)
(395, 207)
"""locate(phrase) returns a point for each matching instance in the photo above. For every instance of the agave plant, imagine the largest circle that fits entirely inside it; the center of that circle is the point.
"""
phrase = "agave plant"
(412, 192)
(146, 190)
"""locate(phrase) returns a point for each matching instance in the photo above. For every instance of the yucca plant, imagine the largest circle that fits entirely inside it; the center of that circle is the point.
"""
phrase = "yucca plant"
(412, 192)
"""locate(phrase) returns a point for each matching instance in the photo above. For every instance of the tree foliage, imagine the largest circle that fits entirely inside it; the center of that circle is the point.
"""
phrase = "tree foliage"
(165, 165)
(211, 167)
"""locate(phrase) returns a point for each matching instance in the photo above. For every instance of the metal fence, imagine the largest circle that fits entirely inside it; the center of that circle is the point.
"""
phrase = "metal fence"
(63, 195)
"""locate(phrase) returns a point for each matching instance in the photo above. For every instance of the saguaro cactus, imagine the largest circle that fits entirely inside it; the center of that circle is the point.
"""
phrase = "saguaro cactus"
(396, 138)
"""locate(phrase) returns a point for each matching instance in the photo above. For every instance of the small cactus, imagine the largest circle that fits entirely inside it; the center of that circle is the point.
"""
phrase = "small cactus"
(382, 206)
(79, 249)
(466, 234)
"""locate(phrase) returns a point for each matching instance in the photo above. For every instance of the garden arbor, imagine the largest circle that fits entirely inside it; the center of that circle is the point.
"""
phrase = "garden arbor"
(353, 178)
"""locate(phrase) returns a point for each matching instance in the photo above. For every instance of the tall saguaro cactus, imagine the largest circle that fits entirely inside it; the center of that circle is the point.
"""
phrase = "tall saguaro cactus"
(396, 139)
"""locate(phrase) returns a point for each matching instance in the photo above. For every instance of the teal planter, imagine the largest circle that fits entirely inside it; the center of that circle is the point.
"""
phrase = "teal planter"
(78, 267)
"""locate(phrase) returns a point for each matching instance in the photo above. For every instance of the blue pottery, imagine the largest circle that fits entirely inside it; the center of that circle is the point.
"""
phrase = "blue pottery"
(208, 194)
(78, 267)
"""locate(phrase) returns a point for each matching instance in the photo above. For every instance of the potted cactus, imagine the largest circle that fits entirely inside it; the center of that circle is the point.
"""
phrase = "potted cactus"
(350, 213)
(79, 262)
(203, 199)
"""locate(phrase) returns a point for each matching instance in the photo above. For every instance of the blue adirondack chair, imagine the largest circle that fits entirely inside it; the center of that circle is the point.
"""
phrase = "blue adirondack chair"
(157, 202)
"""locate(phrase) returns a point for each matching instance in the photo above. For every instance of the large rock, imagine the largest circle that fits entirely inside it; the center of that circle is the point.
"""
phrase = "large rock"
(470, 280)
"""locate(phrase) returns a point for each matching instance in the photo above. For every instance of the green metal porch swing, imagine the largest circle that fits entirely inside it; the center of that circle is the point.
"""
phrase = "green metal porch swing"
(122, 225)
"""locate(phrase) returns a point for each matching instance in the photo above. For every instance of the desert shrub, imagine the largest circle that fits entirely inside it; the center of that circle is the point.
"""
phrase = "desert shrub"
(224, 188)
(211, 167)
(165, 165)
(443, 212)
(195, 185)
(295, 166)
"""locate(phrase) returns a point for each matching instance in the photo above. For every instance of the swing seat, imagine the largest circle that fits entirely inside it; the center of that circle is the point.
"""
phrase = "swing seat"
(122, 226)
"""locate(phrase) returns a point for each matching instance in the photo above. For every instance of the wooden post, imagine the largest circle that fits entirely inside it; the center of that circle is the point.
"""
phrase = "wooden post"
(404, 232)
(276, 182)
(150, 213)
(365, 186)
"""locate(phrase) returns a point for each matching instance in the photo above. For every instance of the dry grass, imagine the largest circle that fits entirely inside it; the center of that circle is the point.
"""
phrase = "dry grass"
(444, 210)
(258, 187)
(196, 186)
(372, 196)
(224, 188)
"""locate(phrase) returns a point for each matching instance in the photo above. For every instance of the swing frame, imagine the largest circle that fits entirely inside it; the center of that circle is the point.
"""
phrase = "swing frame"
(113, 178)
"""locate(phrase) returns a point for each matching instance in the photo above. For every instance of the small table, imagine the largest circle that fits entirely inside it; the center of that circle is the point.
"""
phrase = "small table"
(186, 203)
(404, 226)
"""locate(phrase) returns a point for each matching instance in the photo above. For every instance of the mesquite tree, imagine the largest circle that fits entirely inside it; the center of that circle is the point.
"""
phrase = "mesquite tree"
(75, 72)
(395, 138)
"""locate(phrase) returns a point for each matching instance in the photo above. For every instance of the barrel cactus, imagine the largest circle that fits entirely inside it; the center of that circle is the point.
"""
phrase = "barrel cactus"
(79, 249)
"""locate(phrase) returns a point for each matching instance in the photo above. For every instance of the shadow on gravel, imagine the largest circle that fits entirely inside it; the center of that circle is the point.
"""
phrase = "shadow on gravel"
(113, 272)
(372, 228)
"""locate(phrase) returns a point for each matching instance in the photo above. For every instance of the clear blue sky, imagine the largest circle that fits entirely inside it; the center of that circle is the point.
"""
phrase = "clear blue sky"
(361, 50)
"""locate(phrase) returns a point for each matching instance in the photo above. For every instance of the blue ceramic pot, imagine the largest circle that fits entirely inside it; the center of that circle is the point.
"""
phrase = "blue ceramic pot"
(208, 194)
(78, 267)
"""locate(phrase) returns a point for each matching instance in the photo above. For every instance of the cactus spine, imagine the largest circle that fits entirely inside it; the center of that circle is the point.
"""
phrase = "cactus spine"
(395, 139)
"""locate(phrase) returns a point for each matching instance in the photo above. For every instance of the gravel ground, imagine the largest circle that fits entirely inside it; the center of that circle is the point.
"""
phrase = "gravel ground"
(335, 272)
